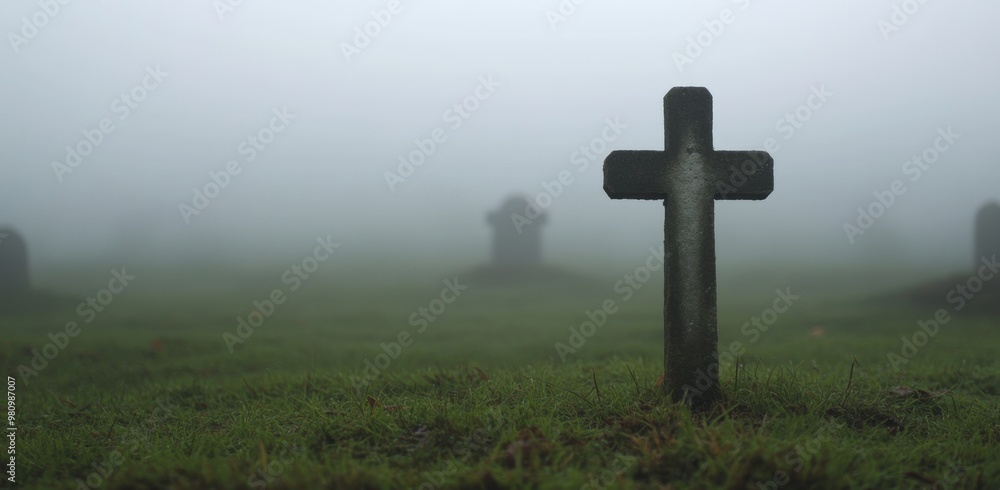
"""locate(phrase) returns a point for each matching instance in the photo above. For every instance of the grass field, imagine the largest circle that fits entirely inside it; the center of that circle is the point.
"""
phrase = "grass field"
(148, 394)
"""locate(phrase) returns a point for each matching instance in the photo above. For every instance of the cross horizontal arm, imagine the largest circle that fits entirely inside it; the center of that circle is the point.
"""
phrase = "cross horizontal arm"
(635, 174)
(743, 174)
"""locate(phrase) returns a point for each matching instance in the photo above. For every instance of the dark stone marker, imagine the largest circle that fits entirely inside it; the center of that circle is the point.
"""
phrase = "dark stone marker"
(13, 263)
(517, 237)
(689, 176)
(987, 233)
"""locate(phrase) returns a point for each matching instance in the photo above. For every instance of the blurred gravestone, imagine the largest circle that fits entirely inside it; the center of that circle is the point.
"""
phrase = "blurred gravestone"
(13, 263)
(987, 237)
(517, 237)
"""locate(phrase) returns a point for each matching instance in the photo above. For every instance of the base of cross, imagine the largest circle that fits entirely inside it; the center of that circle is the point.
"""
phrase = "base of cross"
(702, 395)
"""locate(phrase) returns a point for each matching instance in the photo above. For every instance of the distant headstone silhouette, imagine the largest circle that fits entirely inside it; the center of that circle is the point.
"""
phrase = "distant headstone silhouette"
(13, 263)
(689, 176)
(517, 237)
(987, 237)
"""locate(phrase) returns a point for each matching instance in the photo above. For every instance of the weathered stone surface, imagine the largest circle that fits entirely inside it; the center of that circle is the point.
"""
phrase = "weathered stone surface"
(689, 175)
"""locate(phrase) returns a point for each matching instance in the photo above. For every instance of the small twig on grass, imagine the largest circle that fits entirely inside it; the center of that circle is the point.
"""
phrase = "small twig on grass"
(850, 379)
(638, 392)
(111, 430)
(791, 371)
(724, 416)
(357, 401)
(596, 388)
(374, 402)
(252, 391)
(767, 382)
(68, 403)
(736, 379)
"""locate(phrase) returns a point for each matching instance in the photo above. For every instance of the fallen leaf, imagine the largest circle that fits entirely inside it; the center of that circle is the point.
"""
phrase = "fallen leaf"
(373, 403)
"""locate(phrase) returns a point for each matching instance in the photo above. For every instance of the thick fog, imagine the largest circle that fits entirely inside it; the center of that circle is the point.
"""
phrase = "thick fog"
(168, 93)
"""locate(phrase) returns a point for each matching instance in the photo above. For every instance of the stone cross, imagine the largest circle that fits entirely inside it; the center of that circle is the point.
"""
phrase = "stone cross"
(13, 263)
(689, 176)
(517, 236)
(987, 233)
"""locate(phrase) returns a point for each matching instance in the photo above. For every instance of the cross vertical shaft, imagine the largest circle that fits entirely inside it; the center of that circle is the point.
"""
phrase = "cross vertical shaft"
(689, 299)
(690, 332)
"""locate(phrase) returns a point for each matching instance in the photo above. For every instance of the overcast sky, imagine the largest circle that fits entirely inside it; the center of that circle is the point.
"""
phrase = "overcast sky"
(542, 84)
